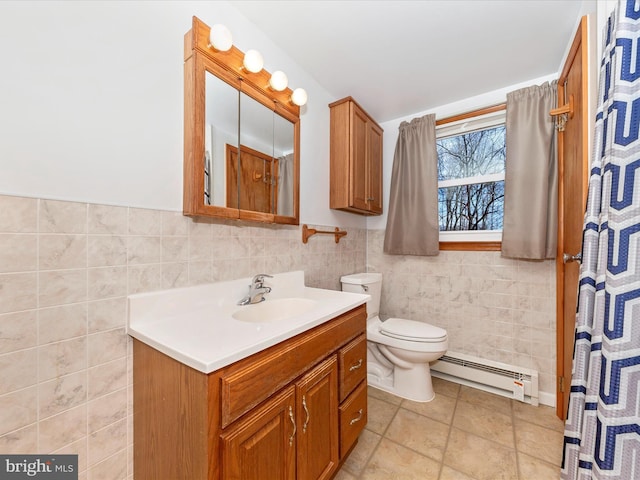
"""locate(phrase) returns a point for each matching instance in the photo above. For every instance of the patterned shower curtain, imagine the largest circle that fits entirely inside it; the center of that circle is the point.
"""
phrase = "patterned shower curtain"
(602, 432)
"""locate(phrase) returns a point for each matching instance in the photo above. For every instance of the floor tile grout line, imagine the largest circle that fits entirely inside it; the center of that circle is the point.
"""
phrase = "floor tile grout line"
(449, 427)
(409, 448)
(523, 420)
(446, 443)
(383, 434)
(515, 440)
(398, 408)
(395, 409)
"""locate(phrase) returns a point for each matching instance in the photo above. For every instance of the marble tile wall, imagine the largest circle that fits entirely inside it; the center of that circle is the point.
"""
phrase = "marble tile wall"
(66, 269)
(493, 308)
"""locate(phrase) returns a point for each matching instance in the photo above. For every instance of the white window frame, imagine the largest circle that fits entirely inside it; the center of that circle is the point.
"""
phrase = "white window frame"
(460, 127)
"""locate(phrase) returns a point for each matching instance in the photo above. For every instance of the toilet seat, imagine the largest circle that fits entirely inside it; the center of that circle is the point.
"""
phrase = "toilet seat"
(412, 331)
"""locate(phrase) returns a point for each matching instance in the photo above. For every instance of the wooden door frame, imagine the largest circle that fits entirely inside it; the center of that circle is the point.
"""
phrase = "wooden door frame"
(581, 39)
(233, 184)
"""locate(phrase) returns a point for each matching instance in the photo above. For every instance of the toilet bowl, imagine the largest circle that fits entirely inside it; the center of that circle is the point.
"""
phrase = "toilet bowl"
(398, 350)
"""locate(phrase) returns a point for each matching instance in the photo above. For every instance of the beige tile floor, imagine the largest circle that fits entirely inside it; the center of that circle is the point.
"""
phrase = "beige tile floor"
(463, 434)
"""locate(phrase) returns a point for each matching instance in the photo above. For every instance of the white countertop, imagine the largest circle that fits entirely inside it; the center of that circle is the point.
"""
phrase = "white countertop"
(195, 326)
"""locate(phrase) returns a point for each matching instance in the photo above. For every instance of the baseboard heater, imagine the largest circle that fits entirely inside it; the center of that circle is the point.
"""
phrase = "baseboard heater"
(495, 377)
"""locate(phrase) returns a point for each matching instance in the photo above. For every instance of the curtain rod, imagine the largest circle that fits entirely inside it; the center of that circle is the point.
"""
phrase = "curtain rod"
(474, 113)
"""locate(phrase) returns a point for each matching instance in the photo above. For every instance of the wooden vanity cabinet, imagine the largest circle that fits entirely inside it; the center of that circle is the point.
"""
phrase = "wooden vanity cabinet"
(276, 414)
(299, 422)
(356, 159)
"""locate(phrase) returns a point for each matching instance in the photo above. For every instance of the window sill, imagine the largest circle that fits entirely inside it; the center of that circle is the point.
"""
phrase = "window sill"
(472, 246)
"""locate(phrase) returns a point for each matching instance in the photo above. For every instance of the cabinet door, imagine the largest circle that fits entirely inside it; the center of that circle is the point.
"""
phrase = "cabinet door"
(358, 167)
(317, 397)
(374, 164)
(264, 444)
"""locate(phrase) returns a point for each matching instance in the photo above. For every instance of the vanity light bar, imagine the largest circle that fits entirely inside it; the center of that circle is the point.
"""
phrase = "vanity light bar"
(220, 41)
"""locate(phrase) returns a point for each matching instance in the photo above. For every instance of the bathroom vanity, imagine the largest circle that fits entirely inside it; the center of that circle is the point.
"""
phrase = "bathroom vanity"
(281, 394)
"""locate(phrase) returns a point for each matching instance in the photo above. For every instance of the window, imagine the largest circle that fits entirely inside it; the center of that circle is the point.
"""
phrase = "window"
(471, 160)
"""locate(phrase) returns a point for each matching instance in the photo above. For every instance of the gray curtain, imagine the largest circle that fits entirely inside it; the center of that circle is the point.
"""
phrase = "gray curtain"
(412, 221)
(531, 174)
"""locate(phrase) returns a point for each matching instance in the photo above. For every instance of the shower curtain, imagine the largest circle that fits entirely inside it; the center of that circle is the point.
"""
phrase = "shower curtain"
(602, 431)
(285, 186)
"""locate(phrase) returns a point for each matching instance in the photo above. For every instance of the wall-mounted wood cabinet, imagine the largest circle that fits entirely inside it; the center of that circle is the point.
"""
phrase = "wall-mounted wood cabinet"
(356, 159)
(293, 411)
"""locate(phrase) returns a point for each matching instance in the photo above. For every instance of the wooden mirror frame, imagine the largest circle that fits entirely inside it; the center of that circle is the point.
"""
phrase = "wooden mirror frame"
(200, 58)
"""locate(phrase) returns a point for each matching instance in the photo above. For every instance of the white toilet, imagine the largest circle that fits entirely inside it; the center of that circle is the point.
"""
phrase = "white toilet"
(398, 350)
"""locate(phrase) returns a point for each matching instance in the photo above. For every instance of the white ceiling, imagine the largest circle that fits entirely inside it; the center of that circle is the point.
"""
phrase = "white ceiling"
(401, 57)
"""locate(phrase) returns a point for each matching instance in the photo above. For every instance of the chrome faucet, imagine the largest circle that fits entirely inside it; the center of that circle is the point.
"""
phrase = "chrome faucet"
(257, 290)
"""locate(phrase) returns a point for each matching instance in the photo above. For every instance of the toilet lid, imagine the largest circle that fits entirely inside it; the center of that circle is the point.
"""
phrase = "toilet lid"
(412, 330)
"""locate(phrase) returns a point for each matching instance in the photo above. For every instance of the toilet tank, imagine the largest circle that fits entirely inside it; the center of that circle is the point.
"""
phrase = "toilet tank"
(370, 283)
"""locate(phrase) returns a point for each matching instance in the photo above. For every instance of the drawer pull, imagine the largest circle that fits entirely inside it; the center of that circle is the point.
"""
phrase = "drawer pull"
(355, 366)
(358, 418)
(306, 410)
(293, 422)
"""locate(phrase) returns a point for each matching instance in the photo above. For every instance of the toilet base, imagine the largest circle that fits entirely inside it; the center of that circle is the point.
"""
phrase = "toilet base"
(413, 384)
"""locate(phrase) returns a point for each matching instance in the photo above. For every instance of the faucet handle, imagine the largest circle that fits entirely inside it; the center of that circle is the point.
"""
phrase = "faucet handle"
(260, 278)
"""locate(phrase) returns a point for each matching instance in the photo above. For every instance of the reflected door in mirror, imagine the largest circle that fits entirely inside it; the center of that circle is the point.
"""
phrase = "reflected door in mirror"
(255, 185)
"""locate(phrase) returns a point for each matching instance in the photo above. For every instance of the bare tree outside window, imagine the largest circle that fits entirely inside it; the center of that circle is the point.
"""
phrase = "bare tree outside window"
(468, 201)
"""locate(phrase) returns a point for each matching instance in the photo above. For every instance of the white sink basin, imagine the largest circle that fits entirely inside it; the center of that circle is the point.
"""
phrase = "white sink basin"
(203, 326)
(274, 310)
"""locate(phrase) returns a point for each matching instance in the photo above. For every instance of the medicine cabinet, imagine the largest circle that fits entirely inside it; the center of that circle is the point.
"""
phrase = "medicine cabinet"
(241, 138)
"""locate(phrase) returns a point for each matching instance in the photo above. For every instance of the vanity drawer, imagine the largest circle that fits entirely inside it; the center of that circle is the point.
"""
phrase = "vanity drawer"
(352, 365)
(248, 382)
(353, 418)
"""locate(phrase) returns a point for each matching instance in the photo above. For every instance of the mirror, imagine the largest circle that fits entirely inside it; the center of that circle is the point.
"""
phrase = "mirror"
(241, 138)
(220, 130)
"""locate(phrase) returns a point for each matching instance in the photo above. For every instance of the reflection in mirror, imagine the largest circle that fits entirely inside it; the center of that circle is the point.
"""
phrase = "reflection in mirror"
(250, 180)
(221, 129)
(265, 181)
(283, 142)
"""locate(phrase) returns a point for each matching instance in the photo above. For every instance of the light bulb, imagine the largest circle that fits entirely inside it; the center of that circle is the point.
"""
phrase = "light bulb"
(220, 37)
(278, 81)
(299, 97)
(253, 61)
